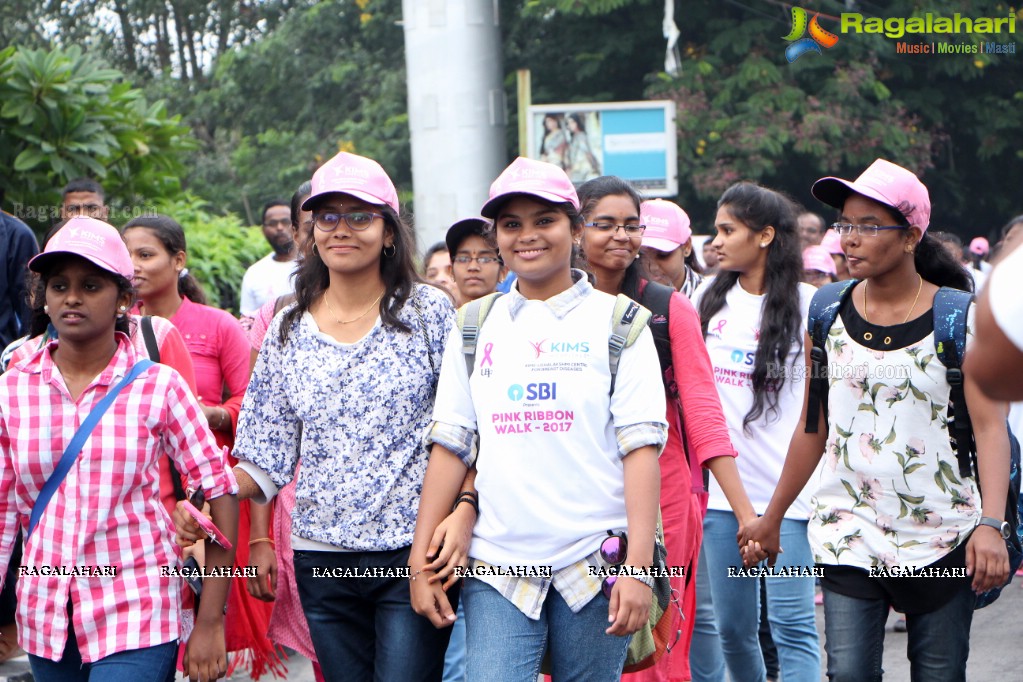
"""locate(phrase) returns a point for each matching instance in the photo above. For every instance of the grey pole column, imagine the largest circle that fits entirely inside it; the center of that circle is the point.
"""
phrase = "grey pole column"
(456, 107)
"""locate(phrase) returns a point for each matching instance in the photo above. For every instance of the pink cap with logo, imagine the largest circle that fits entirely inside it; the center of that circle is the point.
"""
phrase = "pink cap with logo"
(818, 258)
(832, 241)
(356, 175)
(94, 240)
(980, 246)
(885, 182)
(667, 225)
(533, 178)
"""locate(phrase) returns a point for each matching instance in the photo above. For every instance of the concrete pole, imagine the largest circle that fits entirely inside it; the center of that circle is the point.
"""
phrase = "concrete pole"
(456, 107)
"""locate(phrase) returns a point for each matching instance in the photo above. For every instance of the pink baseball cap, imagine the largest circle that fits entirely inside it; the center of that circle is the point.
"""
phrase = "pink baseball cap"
(356, 175)
(94, 240)
(979, 246)
(886, 182)
(530, 177)
(819, 258)
(667, 225)
(832, 241)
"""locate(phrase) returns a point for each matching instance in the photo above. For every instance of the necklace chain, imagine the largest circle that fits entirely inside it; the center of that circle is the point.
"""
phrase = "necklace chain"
(919, 288)
(354, 319)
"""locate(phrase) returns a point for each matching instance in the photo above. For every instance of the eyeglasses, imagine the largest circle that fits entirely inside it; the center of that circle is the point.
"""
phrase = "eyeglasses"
(357, 220)
(631, 230)
(863, 230)
(482, 260)
(613, 550)
(283, 222)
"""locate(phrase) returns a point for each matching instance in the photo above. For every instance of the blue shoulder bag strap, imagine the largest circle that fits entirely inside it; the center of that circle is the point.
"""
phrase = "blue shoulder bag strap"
(950, 309)
(823, 311)
(77, 442)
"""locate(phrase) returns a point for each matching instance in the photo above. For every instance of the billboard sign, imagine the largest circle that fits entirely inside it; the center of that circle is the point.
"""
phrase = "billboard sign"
(633, 140)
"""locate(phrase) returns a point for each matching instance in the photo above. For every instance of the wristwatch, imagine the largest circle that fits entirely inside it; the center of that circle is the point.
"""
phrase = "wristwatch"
(1001, 526)
(641, 576)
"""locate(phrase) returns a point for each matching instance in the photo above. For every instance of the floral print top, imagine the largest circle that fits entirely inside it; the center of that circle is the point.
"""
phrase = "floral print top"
(889, 488)
(354, 413)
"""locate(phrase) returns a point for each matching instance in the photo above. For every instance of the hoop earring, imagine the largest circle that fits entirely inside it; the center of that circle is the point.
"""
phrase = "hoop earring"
(394, 250)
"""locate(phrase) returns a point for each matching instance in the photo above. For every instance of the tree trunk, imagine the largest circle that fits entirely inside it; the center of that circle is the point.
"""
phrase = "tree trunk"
(178, 29)
(128, 34)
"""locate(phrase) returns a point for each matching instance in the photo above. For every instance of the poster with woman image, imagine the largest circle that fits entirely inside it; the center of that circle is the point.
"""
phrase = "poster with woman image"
(571, 140)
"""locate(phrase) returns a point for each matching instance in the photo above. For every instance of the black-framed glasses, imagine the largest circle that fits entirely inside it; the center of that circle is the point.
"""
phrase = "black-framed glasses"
(356, 220)
(863, 230)
(613, 550)
(631, 230)
(482, 260)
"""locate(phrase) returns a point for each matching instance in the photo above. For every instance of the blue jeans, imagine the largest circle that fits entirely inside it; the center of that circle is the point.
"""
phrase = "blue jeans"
(503, 645)
(737, 603)
(151, 664)
(364, 629)
(706, 662)
(454, 657)
(938, 642)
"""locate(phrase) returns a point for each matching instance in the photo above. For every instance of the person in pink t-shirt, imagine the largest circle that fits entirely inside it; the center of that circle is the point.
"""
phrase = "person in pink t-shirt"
(220, 354)
(611, 242)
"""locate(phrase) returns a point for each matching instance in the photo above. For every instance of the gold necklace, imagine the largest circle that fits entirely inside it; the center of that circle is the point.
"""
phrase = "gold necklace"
(354, 319)
(867, 336)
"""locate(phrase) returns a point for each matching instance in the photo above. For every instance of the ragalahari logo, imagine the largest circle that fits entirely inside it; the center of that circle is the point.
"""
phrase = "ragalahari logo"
(817, 39)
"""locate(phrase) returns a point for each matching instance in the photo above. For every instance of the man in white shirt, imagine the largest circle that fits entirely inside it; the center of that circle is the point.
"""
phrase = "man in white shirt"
(270, 277)
(995, 360)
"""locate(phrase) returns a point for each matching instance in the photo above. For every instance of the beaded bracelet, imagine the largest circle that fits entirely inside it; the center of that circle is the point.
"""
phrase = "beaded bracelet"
(471, 498)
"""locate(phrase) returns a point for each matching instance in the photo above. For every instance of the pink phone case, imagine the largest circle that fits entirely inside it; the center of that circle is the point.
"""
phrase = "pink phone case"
(207, 525)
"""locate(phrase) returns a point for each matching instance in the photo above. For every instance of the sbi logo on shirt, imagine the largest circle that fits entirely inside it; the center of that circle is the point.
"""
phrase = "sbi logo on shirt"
(540, 391)
(740, 358)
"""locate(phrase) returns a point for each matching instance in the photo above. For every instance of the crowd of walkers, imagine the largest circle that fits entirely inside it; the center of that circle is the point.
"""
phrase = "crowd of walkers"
(475, 473)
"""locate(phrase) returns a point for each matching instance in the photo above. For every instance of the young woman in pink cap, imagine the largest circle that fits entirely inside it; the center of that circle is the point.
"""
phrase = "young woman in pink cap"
(753, 315)
(667, 252)
(818, 266)
(889, 494)
(345, 381)
(123, 622)
(565, 464)
(615, 226)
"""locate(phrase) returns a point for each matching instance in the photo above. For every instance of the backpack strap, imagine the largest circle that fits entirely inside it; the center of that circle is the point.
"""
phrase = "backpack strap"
(470, 318)
(149, 336)
(657, 299)
(627, 323)
(74, 447)
(823, 311)
(951, 307)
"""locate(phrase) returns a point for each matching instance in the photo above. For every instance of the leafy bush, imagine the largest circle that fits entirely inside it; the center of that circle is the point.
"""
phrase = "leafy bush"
(220, 248)
(66, 115)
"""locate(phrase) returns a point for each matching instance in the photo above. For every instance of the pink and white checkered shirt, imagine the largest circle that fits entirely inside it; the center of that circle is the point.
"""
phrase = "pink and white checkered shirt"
(107, 513)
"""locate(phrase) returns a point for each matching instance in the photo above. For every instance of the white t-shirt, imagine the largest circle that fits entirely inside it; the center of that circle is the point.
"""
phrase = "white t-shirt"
(550, 475)
(732, 337)
(265, 280)
(1005, 283)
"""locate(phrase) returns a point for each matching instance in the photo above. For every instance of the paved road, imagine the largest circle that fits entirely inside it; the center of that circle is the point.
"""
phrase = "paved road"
(996, 647)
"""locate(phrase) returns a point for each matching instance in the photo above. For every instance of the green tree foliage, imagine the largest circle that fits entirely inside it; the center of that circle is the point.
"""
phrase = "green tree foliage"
(220, 247)
(330, 77)
(66, 115)
(744, 112)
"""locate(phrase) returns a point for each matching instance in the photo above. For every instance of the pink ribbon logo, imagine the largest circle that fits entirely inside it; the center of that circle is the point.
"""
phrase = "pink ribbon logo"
(487, 361)
(720, 326)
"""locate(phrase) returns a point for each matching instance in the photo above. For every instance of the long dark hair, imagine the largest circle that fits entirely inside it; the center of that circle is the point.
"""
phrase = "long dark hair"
(40, 321)
(297, 199)
(590, 194)
(172, 236)
(932, 260)
(781, 323)
(398, 272)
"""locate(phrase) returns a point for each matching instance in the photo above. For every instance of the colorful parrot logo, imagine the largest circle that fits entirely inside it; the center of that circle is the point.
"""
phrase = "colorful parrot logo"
(817, 39)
